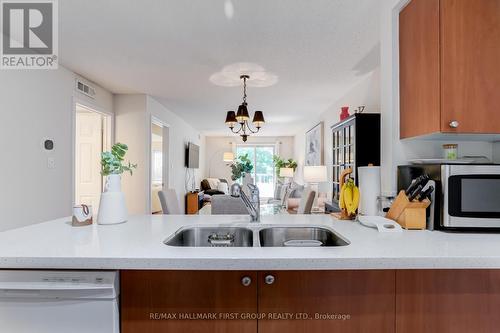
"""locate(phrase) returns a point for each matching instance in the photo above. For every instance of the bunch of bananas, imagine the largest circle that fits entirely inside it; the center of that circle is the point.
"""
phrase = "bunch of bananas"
(349, 197)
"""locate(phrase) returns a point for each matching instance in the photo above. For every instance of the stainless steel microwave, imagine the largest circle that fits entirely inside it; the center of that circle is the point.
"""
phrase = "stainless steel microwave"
(467, 195)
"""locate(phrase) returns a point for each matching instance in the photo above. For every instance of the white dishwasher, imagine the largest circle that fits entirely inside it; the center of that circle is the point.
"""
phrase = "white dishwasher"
(59, 301)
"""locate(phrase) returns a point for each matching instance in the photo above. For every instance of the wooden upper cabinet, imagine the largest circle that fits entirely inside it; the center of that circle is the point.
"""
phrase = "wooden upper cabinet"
(470, 65)
(150, 299)
(449, 53)
(419, 68)
(327, 301)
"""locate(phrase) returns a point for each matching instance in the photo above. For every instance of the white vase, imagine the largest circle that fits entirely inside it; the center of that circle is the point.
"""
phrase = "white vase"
(113, 183)
(112, 208)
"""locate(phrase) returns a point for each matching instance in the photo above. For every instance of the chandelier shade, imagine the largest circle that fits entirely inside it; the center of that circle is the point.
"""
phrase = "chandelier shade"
(258, 119)
(242, 114)
(231, 119)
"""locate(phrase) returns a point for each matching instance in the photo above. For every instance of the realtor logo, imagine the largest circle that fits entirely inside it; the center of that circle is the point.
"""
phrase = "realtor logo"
(29, 34)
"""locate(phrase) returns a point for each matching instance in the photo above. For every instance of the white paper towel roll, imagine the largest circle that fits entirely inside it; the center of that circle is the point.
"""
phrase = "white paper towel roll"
(369, 189)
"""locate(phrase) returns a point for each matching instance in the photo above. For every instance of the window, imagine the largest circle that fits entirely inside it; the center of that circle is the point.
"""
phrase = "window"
(263, 172)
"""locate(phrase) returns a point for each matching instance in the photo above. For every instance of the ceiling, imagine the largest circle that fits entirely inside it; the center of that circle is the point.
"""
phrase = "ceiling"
(315, 50)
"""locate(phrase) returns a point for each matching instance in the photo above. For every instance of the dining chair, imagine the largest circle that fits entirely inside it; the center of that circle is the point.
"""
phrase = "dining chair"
(169, 202)
(306, 202)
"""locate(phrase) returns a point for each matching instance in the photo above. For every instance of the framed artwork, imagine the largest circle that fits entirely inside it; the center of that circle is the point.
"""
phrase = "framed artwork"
(314, 145)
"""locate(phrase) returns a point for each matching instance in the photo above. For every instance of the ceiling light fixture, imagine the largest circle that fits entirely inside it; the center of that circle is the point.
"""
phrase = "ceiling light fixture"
(242, 116)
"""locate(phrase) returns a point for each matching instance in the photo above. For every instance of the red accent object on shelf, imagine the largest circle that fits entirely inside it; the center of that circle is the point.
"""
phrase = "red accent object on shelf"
(344, 113)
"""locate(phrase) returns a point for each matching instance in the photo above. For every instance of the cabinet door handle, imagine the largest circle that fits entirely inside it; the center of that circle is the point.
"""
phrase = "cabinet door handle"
(246, 281)
(454, 124)
(269, 279)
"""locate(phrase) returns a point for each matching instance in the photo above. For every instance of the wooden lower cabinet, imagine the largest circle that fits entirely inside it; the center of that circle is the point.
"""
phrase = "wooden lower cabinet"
(448, 301)
(333, 301)
(149, 299)
(385, 301)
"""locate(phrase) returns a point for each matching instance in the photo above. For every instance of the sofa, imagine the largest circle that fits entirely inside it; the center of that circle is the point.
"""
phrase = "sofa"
(214, 186)
(228, 205)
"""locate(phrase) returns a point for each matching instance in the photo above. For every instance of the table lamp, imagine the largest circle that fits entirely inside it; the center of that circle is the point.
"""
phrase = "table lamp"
(286, 173)
(228, 157)
(313, 175)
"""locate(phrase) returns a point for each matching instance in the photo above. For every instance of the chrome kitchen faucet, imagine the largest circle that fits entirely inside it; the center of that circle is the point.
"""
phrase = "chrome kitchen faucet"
(252, 204)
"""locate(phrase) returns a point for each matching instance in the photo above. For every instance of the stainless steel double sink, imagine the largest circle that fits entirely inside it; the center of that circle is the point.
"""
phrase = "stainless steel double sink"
(256, 235)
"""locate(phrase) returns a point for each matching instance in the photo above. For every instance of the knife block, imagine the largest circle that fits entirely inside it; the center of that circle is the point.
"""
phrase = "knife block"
(409, 214)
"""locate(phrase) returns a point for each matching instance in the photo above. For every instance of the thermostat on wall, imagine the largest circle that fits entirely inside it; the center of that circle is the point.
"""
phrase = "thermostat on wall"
(48, 144)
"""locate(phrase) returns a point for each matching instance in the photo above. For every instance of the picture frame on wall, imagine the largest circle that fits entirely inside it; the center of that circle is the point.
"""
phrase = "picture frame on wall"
(314, 145)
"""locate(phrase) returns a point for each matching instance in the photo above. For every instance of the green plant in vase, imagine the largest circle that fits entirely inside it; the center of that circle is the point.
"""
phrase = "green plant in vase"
(240, 166)
(112, 206)
(112, 161)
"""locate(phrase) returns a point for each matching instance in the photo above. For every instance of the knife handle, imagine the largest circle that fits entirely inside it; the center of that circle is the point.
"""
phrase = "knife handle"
(415, 193)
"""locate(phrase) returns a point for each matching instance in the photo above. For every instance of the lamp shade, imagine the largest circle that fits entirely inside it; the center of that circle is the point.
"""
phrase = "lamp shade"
(315, 174)
(258, 119)
(228, 156)
(231, 118)
(242, 114)
(286, 172)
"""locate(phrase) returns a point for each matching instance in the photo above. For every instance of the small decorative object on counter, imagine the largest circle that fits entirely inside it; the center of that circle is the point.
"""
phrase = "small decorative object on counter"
(349, 197)
(344, 112)
(450, 151)
(82, 215)
(112, 208)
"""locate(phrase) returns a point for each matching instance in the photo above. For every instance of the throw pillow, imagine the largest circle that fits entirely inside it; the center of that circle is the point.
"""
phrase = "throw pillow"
(223, 187)
(214, 182)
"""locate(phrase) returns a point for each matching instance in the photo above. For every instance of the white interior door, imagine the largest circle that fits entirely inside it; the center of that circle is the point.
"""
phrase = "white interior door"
(88, 148)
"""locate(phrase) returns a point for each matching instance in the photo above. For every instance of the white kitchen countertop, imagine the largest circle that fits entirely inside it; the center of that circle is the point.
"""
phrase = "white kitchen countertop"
(138, 244)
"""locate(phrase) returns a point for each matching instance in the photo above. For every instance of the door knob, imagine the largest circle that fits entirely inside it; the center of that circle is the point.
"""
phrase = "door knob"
(454, 124)
(246, 281)
(269, 279)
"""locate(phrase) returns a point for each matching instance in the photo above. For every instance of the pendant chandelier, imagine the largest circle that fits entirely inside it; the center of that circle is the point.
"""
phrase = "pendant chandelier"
(242, 117)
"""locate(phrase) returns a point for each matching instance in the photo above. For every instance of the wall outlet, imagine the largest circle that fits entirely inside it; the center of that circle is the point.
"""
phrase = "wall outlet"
(51, 163)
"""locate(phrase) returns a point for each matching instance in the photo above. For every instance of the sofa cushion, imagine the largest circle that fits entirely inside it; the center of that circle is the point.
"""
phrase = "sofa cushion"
(296, 190)
(213, 182)
(223, 187)
(205, 186)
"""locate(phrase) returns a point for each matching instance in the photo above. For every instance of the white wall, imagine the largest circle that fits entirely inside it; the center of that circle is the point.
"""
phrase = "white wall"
(131, 128)
(365, 92)
(133, 121)
(217, 145)
(395, 151)
(38, 104)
